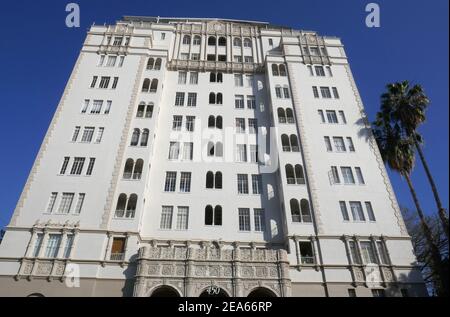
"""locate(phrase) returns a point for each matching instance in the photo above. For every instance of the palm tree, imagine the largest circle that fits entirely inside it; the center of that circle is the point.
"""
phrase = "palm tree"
(407, 106)
(398, 154)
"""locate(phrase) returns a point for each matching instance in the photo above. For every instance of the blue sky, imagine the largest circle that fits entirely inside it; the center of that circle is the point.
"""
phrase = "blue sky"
(37, 53)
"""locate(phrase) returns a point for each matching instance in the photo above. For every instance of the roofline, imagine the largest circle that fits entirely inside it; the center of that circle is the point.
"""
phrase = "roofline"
(185, 19)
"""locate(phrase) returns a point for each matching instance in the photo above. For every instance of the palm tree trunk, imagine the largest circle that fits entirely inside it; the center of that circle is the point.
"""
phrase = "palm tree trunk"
(436, 260)
(441, 211)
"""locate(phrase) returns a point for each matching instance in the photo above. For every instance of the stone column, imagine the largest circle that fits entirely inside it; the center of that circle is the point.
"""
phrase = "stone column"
(236, 278)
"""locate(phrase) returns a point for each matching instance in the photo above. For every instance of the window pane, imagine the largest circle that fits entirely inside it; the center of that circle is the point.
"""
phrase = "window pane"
(244, 219)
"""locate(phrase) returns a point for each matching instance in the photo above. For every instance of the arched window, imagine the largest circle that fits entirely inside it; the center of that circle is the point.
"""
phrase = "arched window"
(197, 40)
(281, 115)
(211, 122)
(219, 124)
(128, 169)
(219, 77)
(210, 180)
(154, 85)
(218, 215)
(282, 69)
(144, 138)
(290, 115)
(212, 40)
(219, 99)
(295, 210)
(294, 143)
(150, 63)
(290, 176)
(299, 175)
(135, 137)
(222, 41)
(121, 204)
(186, 39)
(218, 180)
(237, 42)
(149, 111)
(247, 42)
(212, 77)
(137, 173)
(209, 215)
(146, 85)
(141, 109)
(306, 213)
(285, 143)
(131, 206)
(275, 71)
(158, 64)
(212, 98)
(210, 148)
(219, 149)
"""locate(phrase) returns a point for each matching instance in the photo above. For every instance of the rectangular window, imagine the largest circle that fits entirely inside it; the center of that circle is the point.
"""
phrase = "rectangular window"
(108, 107)
(79, 204)
(85, 106)
(190, 123)
(163, 36)
(378, 293)
(94, 81)
(166, 217)
(256, 184)
(193, 78)
(306, 252)
(328, 143)
(351, 292)
(171, 180)
(188, 151)
(64, 165)
(320, 71)
(367, 252)
(75, 134)
(252, 125)
(259, 219)
(68, 246)
(118, 249)
(339, 144)
(195, 56)
(350, 145)
(254, 155)
(248, 59)
(335, 174)
(51, 203)
(185, 182)
(286, 92)
(238, 80)
(66, 203)
(347, 175)
(97, 107)
(53, 243)
(111, 61)
(222, 58)
(330, 73)
(115, 82)
(90, 166)
(335, 92)
(121, 60)
(182, 78)
(357, 211)
(314, 51)
(331, 116)
(177, 123)
(88, 132)
(99, 137)
(77, 166)
(101, 60)
(237, 59)
(321, 116)
(38, 244)
(211, 57)
(278, 92)
(184, 56)
(244, 219)
(241, 153)
(310, 70)
(251, 102)
(384, 258)
(104, 82)
(240, 125)
(117, 41)
(325, 92)
(370, 212)
(359, 175)
(344, 211)
(249, 80)
(174, 150)
(182, 218)
(315, 92)
(242, 180)
(192, 99)
(239, 102)
(354, 252)
(179, 99)
(342, 116)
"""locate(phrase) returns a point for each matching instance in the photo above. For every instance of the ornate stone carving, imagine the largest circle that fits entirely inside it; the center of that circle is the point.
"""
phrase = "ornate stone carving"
(44, 269)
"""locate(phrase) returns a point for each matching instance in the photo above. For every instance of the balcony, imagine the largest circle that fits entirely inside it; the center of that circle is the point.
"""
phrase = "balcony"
(177, 64)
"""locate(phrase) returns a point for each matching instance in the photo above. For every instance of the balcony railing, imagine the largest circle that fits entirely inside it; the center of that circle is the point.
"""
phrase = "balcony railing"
(290, 120)
(286, 148)
(308, 260)
(117, 256)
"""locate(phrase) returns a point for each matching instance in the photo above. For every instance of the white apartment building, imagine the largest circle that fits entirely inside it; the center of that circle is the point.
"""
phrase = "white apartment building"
(195, 157)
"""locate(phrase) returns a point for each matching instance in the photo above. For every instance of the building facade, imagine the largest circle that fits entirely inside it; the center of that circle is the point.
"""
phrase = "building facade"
(196, 157)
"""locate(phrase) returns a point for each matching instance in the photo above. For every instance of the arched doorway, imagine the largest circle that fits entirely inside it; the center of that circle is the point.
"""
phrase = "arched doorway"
(165, 291)
(214, 292)
(261, 292)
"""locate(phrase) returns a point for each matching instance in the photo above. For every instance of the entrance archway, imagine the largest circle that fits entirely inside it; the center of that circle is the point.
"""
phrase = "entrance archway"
(165, 291)
(261, 292)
